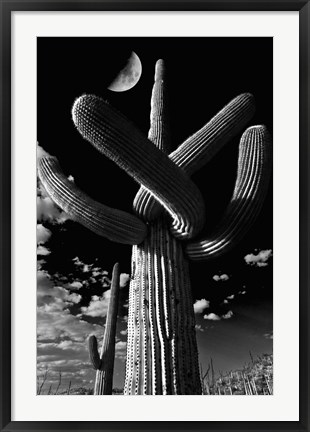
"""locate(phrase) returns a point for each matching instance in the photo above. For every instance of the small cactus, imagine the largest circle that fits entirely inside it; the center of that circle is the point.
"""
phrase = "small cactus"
(93, 352)
(104, 363)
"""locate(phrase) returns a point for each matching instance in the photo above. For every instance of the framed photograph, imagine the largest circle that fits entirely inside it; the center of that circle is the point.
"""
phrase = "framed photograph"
(154, 215)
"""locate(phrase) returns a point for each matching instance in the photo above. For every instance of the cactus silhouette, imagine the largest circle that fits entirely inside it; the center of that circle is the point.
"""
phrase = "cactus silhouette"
(104, 363)
(162, 354)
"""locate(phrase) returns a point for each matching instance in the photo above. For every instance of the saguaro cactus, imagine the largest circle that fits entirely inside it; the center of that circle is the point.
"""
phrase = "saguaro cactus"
(104, 363)
(162, 355)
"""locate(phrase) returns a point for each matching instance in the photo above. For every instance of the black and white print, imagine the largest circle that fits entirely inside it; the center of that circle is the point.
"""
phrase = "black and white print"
(154, 216)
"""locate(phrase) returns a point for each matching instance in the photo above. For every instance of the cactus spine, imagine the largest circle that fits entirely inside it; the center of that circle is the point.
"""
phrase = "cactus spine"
(104, 364)
(162, 356)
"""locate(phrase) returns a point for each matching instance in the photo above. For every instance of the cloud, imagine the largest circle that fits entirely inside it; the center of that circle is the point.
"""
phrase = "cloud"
(260, 259)
(124, 279)
(224, 277)
(212, 317)
(75, 285)
(53, 324)
(199, 327)
(62, 336)
(268, 335)
(43, 234)
(98, 306)
(231, 297)
(225, 301)
(201, 305)
(228, 315)
(48, 212)
(124, 332)
(52, 297)
(120, 350)
(42, 250)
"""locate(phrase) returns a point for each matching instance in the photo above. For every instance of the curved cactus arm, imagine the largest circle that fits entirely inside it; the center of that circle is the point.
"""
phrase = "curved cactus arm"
(159, 134)
(113, 135)
(115, 225)
(93, 352)
(201, 147)
(254, 167)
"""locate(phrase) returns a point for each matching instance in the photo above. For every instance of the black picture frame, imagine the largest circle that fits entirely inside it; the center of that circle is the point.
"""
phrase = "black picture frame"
(9, 6)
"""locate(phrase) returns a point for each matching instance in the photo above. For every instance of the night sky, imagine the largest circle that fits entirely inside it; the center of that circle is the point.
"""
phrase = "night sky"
(74, 265)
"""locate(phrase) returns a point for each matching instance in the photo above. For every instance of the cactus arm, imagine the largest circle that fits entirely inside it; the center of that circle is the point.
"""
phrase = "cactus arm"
(201, 147)
(115, 225)
(93, 352)
(113, 135)
(159, 132)
(159, 135)
(104, 376)
(254, 167)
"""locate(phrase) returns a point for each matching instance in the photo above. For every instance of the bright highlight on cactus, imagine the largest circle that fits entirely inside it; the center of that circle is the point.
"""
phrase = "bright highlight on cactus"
(162, 355)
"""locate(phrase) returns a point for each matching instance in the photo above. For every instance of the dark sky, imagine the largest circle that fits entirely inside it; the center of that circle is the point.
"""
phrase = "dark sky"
(203, 75)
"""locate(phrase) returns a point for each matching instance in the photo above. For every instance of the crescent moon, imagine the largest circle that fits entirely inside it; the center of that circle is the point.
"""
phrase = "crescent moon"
(128, 76)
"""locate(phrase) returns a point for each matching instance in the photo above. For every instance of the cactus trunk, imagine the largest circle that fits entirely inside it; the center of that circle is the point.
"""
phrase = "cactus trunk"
(162, 355)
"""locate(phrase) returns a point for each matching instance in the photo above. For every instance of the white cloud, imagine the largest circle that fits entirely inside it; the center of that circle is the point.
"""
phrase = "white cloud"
(260, 259)
(75, 285)
(123, 332)
(86, 268)
(120, 350)
(53, 297)
(199, 327)
(212, 317)
(60, 324)
(228, 315)
(225, 301)
(98, 306)
(231, 297)
(42, 250)
(224, 277)
(201, 305)
(124, 279)
(43, 234)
